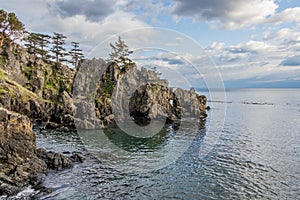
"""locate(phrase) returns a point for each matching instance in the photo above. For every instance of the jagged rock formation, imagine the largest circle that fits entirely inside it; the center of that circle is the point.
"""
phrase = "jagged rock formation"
(102, 95)
(105, 93)
(19, 164)
(150, 97)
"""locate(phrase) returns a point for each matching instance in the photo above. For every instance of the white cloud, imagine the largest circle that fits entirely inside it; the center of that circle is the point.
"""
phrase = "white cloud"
(39, 16)
(288, 15)
(259, 47)
(94, 33)
(283, 36)
(230, 14)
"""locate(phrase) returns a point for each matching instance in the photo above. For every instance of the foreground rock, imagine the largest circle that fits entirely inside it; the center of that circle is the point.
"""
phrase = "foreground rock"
(21, 164)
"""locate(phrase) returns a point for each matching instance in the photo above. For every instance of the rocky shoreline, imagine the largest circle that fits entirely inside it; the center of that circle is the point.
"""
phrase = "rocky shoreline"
(21, 163)
(93, 96)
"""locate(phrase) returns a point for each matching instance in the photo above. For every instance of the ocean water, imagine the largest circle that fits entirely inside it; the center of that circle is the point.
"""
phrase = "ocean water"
(255, 155)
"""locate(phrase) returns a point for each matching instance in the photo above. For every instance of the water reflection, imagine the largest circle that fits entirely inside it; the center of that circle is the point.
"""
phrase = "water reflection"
(120, 149)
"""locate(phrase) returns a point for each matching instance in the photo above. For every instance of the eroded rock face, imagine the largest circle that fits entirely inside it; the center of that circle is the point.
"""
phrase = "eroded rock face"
(38, 89)
(19, 164)
(102, 93)
(109, 94)
(189, 103)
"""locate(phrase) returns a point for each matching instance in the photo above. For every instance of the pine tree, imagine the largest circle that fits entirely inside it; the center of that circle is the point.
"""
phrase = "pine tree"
(43, 42)
(76, 54)
(36, 44)
(11, 28)
(120, 54)
(32, 41)
(58, 50)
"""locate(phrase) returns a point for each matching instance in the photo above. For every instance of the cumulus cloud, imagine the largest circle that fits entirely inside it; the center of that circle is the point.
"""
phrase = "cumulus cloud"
(288, 15)
(93, 10)
(285, 36)
(257, 61)
(258, 47)
(230, 14)
(96, 36)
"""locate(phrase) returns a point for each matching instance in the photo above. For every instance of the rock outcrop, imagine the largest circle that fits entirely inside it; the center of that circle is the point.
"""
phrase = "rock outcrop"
(38, 89)
(99, 94)
(19, 164)
(105, 93)
(94, 96)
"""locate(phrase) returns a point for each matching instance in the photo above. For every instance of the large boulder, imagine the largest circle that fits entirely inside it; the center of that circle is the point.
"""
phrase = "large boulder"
(19, 164)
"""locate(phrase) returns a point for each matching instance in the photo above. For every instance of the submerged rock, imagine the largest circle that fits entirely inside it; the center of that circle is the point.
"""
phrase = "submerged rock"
(54, 161)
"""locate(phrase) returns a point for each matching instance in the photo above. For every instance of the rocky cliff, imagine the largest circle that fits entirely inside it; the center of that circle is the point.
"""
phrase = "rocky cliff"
(31, 90)
(38, 89)
(104, 94)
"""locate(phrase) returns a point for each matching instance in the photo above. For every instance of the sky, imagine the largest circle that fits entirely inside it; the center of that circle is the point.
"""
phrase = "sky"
(199, 43)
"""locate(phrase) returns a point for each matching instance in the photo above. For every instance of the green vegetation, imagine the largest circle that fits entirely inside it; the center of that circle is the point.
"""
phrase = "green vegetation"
(50, 85)
(14, 88)
(3, 91)
(56, 83)
(153, 87)
(2, 60)
(2, 74)
(28, 72)
(58, 50)
(36, 44)
(108, 87)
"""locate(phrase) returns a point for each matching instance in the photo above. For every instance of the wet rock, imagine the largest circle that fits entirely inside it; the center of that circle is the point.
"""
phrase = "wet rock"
(54, 161)
(77, 157)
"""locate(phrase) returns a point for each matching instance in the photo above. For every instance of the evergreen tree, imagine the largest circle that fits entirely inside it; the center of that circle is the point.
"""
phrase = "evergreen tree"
(43, 42)
(76, 54)
(58, 50)
(11, 28)
(36, 44)
(120, 54)
(32, 41)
